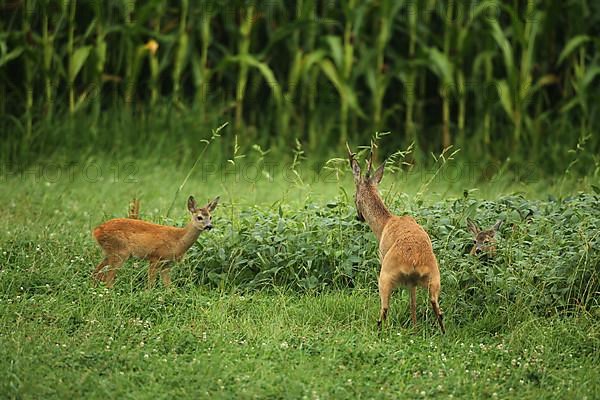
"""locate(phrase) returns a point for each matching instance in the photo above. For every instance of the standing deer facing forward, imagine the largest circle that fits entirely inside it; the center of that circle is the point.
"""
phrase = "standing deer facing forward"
(121, 238)
(405, 249)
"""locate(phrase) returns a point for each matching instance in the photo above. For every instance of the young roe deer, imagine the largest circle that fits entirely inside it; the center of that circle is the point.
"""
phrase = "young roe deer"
(121, 238)
(484, 241)
(405, 249)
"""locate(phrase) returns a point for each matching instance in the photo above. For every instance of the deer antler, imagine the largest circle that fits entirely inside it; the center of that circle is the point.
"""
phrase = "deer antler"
(134, 209)
(350, 153)
(370, 162)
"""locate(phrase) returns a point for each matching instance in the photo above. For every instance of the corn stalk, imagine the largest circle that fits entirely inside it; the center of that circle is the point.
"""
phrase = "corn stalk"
(181, 54)
(517, 90)
(243, 51)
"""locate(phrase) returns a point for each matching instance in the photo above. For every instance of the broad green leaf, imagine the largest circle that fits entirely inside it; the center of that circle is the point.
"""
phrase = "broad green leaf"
(488, 9)
(441, 65)
(569, 105)
(534, 24)
(197, 70)
(370, 79)
(353, 102)
(480, 61)
(295, 71)
(571, 45)
(312, 58)
(505, 47)
(505, 97)
(264, 69)
(336, 48)
(331, 72)
(181, 56)
(345, 92)
(590, 74)
(100, 56)
(77, 60)
(548, 79)
(11, 55)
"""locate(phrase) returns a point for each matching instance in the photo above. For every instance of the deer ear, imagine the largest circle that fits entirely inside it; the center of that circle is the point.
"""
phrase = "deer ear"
(191, 204)
(353, 163)
(213, 204)
(378, 174)
(497, 225)
(472, 227)
(355, 168)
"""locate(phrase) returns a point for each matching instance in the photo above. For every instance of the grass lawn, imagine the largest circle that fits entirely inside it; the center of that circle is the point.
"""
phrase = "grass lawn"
(63, 337)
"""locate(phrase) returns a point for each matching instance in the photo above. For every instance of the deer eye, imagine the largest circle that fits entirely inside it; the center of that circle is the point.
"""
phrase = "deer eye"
(199, 217)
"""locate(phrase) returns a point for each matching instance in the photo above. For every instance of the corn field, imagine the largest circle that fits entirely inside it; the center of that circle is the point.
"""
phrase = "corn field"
(497, 78)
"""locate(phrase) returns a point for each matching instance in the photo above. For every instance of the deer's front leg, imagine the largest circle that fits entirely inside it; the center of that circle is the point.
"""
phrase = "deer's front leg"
(165, 274)
(152, 270)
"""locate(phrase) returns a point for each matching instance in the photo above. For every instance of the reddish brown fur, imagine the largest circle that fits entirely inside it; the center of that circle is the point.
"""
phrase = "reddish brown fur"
(407, 257)
(122, 238)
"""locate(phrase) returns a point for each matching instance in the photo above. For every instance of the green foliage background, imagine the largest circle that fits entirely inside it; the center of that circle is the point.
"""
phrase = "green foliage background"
(500, 79)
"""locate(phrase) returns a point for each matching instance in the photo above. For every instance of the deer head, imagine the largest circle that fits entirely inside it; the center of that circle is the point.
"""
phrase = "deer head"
(483, 240)
(201, 219)
(366, 186)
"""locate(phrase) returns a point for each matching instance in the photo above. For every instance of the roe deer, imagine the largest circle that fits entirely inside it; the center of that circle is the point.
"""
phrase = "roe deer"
(405, 249)
(121, 238)
(483, 241)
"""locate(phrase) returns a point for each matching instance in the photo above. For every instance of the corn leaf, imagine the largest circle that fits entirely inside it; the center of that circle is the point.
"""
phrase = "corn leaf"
(79, 57)
(571, 46)
(505, 47)
(336, 48)
(441, 65)
(7, 57)
(505, 97)
(264, 69)
(590, 75)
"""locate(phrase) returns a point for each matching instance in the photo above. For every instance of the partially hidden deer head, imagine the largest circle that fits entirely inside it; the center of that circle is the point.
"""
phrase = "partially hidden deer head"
(484, 241)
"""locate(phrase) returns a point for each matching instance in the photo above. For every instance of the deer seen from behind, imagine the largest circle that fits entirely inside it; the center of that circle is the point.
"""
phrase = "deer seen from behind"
(405, 249)
(122, 238)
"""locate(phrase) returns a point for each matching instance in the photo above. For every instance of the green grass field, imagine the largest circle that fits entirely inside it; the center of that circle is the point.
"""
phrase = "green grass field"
(280, 299)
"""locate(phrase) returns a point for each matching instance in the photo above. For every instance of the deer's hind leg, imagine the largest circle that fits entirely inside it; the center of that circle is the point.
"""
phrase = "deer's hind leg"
(99, 274)
(391, 272)
(413, 305)
(434, 294)
(115, 261)
(386, 287)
